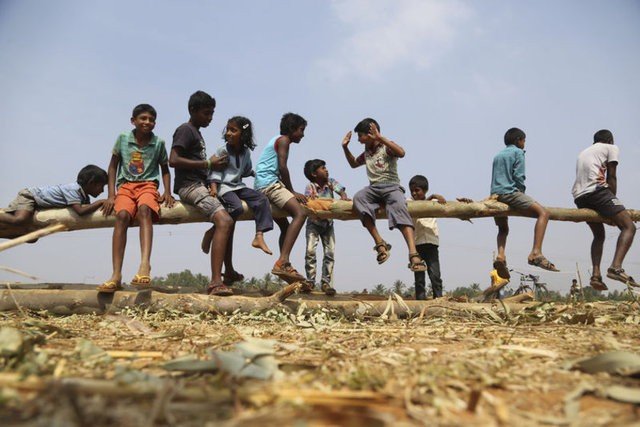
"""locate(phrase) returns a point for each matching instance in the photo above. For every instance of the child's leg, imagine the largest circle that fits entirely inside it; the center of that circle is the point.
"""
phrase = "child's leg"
(597, 245)
(283, 225)
(224, 225)
(148, 210)
(328, 260)
(539, 230)
(431, 256)
(293, 229)
(145, 219)
(365, 203)
(420, 276)
(261, 208)
(310, 259)
(18, 217)
(501, 239)
(119, 242)
(627, 232)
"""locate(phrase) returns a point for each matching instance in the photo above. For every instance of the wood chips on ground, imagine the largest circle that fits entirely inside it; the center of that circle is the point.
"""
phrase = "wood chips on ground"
(475, 368)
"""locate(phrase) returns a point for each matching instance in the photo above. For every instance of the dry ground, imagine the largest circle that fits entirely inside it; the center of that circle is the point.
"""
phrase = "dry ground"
(472, 368)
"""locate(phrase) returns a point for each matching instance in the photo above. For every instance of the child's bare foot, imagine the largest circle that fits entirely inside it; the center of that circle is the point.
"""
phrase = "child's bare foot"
(206, 240)
(259, 243)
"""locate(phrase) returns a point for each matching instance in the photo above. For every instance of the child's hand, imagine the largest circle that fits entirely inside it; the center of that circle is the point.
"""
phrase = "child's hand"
(107, 206)
(167, 199)
(346, 139)
(219, 163)
(439, 198)
(213, 190)
(374, 132)
(464, 200)
(301, 198)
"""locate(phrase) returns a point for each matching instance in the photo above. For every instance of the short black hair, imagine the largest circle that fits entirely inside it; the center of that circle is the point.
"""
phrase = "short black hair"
(290, 122)
(513, 135)
(90, 174)
(199, 100)
(603, 135)
(144, 108)
(419, 181)
(365, 125)
(311, 166)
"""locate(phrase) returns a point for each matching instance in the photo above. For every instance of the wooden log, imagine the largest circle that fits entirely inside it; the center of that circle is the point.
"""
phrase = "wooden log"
(33, 236)
(67, 302)
(336, 209)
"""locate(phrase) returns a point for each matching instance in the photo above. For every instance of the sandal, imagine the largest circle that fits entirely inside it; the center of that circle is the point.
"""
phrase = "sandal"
(416, 266)
(542, 262)
(230, 278)
(382, 249)
(141, 281)
(286, 272)
(619, 275)
(501, 267)
(596, 283)
(109, 287)
(307, 286)
(219, 290)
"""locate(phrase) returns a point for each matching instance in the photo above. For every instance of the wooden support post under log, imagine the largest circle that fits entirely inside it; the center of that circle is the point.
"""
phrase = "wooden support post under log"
(322, 208)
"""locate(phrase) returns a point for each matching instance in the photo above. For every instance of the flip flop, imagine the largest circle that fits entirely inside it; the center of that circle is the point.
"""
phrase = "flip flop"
(619, 275)
(382, 249)
(219, 290)
(501, 267)
(109, 287)
(416, 266)
(542, 262)
(596, 283)
(141, 281)
(232, 277)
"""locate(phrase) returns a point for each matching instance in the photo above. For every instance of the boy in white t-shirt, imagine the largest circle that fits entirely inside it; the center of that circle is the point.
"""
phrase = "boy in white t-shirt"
(595, 188)
(426, 240)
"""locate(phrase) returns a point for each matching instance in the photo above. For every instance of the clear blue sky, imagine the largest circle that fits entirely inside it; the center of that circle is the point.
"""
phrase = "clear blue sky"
(445, 79)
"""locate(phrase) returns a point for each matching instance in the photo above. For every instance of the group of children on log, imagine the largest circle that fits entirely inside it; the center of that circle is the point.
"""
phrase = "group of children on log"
(215, 185)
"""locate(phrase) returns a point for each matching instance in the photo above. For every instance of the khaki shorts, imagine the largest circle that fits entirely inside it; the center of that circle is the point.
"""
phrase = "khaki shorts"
(517, 200)
(23, 202)
(277, 194)
(198, 196)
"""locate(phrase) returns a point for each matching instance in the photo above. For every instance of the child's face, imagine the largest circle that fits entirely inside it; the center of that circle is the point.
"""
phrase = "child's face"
(321, 174)
(520, 143)
(297, 134)
(417, 192)
(144, 122)
(366, 139)
(202, 117)
(232, 134)
(94, 189)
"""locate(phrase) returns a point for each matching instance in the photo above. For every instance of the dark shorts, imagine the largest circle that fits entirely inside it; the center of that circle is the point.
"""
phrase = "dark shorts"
(602, 201)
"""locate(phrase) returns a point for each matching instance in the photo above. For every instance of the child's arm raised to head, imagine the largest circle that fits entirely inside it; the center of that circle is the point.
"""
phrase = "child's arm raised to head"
(112, 172)
(392, 148)
(353, 162)
(166, 197)
(282, 144)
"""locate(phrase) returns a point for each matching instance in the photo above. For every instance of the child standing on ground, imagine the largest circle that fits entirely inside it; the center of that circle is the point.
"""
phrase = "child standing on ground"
(321, 186)
(381, 159)
(427, 240)
(229, 187)
(136, 158)
(274, 181)
(507, 182)
(595, 188)
(90, 182)
(189, 158)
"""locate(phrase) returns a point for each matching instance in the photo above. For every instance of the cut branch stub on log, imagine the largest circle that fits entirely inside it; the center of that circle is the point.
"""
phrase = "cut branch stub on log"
(336, 209)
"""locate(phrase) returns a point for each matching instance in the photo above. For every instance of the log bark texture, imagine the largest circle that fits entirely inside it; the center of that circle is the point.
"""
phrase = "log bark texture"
(67, 302)
(336, 209)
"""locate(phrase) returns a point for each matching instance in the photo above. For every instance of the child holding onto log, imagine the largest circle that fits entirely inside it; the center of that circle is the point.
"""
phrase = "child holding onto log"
(90, 182)
(381, 159)
(507, 183)
(229, 187)
(274, 181)
(189, 158)
(320, 186)
(137, 157)
(595, 188)
(427, 240)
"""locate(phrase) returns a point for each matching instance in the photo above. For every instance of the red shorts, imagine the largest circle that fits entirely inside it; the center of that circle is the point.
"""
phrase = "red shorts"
(132, 195)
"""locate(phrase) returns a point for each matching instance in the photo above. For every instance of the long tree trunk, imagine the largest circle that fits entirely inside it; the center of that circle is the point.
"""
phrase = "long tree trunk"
(336, 209)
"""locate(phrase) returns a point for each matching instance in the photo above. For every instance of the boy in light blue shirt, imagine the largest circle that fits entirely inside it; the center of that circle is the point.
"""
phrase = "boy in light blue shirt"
(507, 183)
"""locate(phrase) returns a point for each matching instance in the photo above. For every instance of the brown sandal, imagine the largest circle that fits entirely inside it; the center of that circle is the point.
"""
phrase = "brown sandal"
(596, 283)
(382, 249)
(416, 266)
